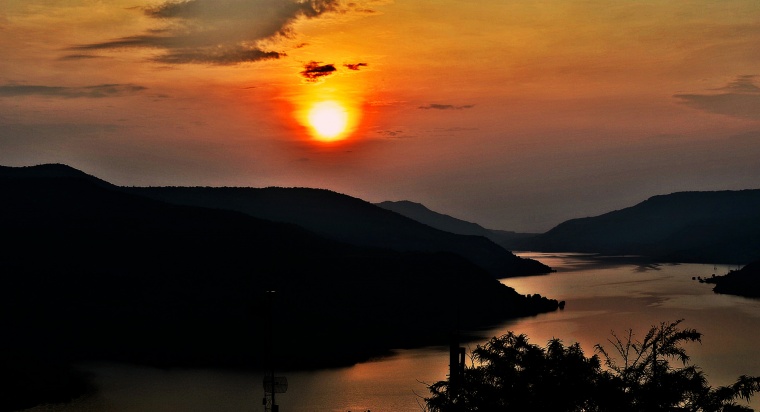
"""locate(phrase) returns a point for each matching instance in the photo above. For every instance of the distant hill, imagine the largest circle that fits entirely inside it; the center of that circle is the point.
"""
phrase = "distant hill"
(712, 227)
(52, 171)
(437, 220)
(451, 224)
(90, 271)
(347, 219)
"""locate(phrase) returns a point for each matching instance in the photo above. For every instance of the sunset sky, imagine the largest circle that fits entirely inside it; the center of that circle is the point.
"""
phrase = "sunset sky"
(516, 115)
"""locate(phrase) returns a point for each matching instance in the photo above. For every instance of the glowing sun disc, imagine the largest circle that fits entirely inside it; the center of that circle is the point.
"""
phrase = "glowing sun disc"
(328, 119)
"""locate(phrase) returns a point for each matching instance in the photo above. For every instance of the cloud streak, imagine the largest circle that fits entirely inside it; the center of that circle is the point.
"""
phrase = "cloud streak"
(435, 106)
(218, 32)
(741, 98)
(392, 133)
(92, 92)
(79, 57)
(742, 84)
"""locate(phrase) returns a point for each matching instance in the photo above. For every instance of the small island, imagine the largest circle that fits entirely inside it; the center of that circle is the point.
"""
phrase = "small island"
(743, 282)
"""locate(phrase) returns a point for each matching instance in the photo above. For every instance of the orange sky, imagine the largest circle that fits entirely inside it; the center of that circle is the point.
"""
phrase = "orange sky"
(516, 115)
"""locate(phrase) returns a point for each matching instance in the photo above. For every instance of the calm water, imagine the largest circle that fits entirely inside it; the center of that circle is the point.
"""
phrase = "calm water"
(600, 298)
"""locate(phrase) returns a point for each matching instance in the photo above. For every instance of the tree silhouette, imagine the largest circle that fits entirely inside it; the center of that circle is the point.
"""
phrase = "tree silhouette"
(645, 379)
(508, 373)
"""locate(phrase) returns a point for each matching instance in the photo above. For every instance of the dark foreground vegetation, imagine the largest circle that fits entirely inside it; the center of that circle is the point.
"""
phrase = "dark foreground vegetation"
(89, 272)
(508, 373)
(30, 379)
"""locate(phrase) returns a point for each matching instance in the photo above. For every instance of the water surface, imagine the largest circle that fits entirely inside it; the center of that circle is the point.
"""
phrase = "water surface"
(601, 296)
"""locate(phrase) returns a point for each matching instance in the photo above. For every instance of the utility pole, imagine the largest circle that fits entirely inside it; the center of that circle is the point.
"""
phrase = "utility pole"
(272, 384)
(456, 367)
(456, 352)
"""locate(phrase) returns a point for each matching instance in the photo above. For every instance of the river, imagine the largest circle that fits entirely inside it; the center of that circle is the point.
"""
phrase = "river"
(601, 297)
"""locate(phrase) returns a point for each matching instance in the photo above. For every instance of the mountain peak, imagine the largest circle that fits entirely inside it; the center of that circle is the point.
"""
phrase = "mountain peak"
(422, 214)
(693, 226)
(390, 204)
(48, 170)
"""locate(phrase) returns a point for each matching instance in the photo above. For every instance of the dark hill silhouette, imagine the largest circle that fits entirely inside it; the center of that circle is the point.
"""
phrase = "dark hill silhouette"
(50, 170)
(451, 224)
(91, 272)
(437, 220)
(743, 282)
(351, 220)
(711, 227)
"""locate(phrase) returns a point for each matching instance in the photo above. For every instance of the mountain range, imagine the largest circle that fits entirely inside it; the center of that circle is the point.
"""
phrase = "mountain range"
(701, 227)
(451, 224)
(200, 276)
(178, 263)
(706, 227)
(709, 227)
(351, 220)
(94, 271)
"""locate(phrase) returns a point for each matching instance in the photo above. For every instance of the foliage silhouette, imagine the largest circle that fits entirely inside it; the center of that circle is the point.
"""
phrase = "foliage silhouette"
(510, 373)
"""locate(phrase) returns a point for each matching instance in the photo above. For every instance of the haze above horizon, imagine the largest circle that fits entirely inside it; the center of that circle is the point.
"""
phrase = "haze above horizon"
(515, 116)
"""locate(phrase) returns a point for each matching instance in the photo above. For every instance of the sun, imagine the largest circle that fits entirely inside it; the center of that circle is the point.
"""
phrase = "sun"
(329, 120)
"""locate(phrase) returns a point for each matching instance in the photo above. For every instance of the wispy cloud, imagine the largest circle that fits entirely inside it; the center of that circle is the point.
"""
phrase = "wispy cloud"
(742, 84)
(79, 57)
(93, 92)
(355, 66)
(459, 129)
(313, 71)
(740, 98)
(392, 133)
(220, 32)
(435, 106)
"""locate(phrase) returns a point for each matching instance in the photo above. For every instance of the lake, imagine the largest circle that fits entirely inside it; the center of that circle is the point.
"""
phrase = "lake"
(601, 295)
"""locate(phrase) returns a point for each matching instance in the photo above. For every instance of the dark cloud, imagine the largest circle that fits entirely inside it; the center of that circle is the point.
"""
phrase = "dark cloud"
(355, 66)
(98, 91)
(80, 57)
(176, 53)
(355, 8)
(391, 133)
(229, 56)
(313, 71)
(741, 99)
(221, 32)
(460, 129)
(130, 42)
(241, 9)
(742, 84)
(446, 107)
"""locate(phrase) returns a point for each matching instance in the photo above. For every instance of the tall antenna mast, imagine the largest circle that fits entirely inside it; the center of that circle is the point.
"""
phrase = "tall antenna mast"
(456, 352)
(272, 384)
